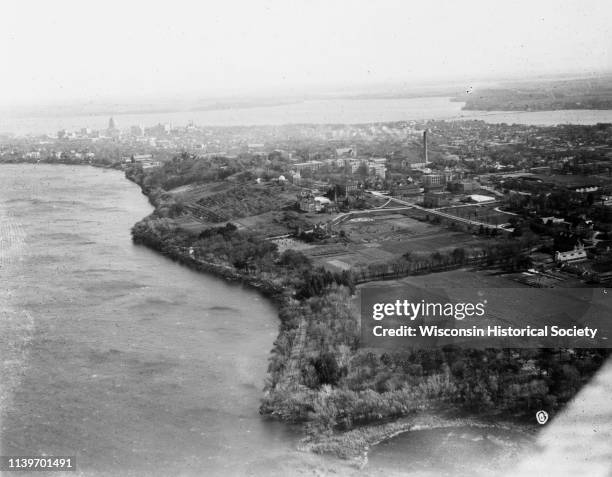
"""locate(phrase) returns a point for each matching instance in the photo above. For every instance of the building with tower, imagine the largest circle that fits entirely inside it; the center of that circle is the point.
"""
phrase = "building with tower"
(112, 130)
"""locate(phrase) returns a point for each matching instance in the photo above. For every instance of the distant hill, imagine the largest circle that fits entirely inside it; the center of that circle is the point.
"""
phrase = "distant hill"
(588, 93)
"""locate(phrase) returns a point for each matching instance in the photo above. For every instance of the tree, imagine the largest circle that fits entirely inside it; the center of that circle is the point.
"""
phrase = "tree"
(295, 260)
(327, 369)
(458, 255)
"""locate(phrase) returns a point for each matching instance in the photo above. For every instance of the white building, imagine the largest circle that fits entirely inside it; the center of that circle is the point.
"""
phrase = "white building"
(311, 165)
(552, 220)
(481, 199)
(576, 255)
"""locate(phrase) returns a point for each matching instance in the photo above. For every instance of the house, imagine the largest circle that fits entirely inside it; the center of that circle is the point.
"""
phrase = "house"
(308, 202)
(576, 255)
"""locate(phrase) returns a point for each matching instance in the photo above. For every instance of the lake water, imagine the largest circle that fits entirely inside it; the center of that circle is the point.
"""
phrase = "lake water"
(333, 111)
(115, 354)
(463, 451)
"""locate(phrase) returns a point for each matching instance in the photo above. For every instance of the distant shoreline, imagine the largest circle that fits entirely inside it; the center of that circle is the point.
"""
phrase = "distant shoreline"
(108, 111)
(508, 109)
(307, 113)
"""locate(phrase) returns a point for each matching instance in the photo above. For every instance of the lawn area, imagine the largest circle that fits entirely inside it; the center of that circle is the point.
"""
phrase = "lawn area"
(441, 240)
(189, 224)
(461, 278)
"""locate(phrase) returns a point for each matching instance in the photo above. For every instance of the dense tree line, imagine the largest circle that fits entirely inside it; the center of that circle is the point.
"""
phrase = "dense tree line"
(182, 170)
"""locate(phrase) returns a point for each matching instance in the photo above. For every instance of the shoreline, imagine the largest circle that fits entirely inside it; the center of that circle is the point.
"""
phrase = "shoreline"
(356, 444)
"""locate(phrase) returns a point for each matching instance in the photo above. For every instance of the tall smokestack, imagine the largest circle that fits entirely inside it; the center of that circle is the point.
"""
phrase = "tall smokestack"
(425, 146)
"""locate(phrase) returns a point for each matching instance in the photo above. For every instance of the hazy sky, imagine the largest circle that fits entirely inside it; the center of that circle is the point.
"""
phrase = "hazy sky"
(60, 50)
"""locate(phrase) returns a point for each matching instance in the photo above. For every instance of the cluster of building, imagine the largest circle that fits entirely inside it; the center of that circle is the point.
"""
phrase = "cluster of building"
(146, 161)
(309, 202)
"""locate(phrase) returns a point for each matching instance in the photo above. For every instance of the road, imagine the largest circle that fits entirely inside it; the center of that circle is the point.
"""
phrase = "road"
(442, 214)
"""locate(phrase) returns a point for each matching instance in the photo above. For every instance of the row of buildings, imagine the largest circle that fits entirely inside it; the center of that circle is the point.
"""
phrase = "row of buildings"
(376, 166)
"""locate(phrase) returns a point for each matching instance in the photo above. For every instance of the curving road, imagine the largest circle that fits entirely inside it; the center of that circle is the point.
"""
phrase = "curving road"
(442, 214)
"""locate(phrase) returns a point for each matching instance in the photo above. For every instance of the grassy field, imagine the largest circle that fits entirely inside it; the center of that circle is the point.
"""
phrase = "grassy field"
(483, 213)
(195, 192)
(269, 223)
(440, 241)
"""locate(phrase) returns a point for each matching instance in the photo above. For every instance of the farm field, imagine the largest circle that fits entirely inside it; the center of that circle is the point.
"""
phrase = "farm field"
(398, 234)
(391, 226)
(352, 256)
(380, 239)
